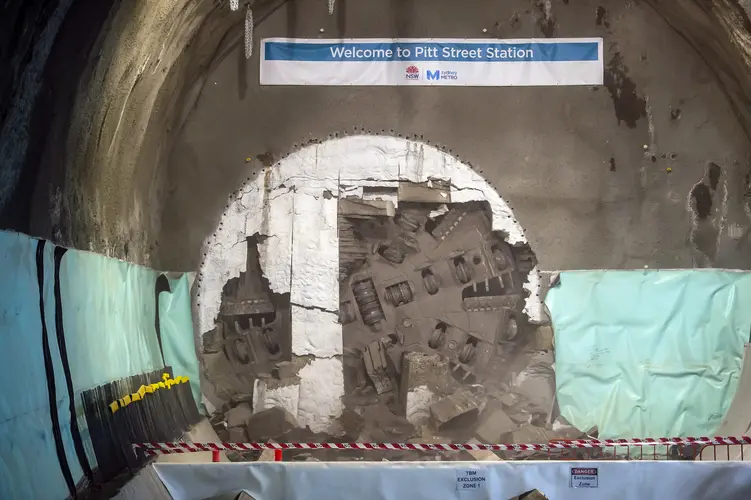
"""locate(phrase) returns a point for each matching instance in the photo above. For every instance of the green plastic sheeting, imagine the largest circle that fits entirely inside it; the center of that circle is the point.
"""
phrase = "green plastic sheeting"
(649, 353)
(108, 311)
(29, 467)
(176, 326)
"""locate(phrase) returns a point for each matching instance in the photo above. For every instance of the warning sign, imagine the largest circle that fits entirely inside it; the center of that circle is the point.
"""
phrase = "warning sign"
(470, 479)
(584, 477)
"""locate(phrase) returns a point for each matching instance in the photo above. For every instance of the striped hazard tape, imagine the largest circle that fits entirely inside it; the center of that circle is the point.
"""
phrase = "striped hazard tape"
(187, 447)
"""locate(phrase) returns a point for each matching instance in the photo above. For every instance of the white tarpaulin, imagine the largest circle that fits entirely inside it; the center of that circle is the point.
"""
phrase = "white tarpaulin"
(482, 62)
(558, 480)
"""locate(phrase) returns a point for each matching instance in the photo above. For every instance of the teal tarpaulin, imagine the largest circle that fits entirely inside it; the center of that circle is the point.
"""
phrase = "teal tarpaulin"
(29, 467)
(109, 312)
(176, 326)
(649, 353)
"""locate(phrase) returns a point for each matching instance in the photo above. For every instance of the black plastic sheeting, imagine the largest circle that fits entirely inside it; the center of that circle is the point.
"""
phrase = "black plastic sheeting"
(163, 415)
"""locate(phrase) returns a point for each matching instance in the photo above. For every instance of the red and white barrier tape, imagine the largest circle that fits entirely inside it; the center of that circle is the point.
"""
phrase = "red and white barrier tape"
(187, 447)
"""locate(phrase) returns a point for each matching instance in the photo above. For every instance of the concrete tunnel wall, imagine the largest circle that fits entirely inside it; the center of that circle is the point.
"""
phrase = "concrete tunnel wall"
(141, 133)
(164, 111)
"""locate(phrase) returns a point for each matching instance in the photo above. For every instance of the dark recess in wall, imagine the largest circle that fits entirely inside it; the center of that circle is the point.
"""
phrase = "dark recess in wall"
(21, 25)
(162, 285)
(66, 64)
(629, 107)
(703, 200)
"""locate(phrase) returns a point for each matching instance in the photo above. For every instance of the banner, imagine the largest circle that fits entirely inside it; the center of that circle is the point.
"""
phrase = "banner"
(429, 62)
(558, 479)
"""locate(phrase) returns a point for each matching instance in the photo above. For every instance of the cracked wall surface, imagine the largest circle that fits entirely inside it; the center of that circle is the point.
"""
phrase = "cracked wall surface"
(575, 169)
(148, 115)
(132, 182)
(294, 207)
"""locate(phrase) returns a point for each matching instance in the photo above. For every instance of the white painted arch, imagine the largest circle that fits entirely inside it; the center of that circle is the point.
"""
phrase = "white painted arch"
(294, 203)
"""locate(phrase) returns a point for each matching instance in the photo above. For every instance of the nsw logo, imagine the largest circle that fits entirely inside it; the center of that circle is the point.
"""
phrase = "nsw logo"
(441, 75)
(412, 73)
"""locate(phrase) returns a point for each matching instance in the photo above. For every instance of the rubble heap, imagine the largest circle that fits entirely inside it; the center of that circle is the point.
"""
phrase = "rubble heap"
(437, 347)
(434, 332)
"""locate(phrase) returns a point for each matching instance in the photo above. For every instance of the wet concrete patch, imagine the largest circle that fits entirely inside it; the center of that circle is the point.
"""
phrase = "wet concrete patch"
(714, 172)
(601, 17)
(702, 201)
(708, 212)
(545, 19)
(629, 107)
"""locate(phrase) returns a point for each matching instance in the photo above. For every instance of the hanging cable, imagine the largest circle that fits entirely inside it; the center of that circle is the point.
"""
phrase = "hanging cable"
(248, 32)
(331, 7)
(234, 5)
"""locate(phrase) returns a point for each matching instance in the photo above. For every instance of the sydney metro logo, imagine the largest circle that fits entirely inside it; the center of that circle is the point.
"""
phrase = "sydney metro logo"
(413, 73)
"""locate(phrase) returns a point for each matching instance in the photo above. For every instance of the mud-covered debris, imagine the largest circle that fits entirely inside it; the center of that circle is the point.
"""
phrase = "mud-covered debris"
(352, 422)
(494, 423)
(382, 426)
(438, 212)
(359, 208)
(239, 415)
(288, 369)
(449, 286)
(212, 341)
(518, 414)
(267, 456)
(432, 370)
(395, 352)
(223, 434)
(531, 495)
(270, 423)
(240, 398)
(377, 367)
(430, 304)
(530, 434)
(237, 435)
(508, 399)
(543, 338)
(424, 379)
(424, 192)
(456, 411)
(536, 383)
(361, 398)
(394, 405)
(396, 426)
(426, 435)
(483, 455)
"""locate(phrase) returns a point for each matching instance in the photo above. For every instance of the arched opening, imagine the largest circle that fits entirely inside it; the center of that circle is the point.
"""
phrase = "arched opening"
(127, 128)
(358, 259)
